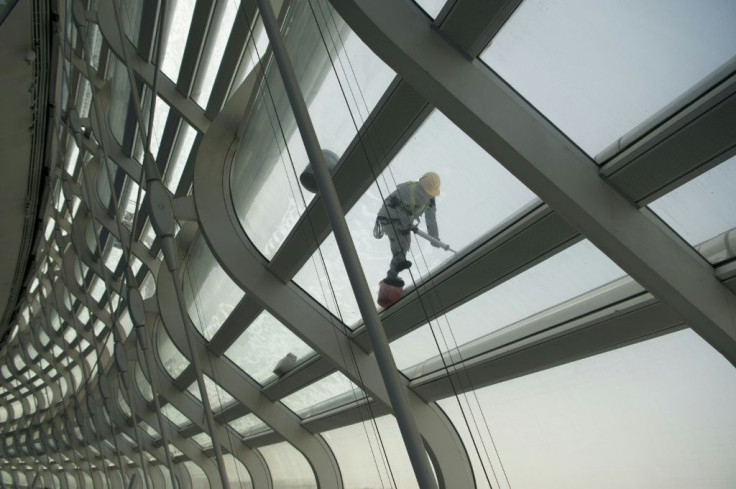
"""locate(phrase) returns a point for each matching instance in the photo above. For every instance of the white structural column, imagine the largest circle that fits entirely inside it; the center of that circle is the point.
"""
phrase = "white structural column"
(539, 155)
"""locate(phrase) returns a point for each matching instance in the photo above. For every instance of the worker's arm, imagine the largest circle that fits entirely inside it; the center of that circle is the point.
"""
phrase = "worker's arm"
(431, 216)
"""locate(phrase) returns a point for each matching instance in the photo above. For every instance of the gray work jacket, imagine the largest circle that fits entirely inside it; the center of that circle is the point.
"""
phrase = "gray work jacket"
(406, 204)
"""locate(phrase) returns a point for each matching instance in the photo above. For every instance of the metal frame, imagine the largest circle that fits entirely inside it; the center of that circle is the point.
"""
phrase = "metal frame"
(581, 199)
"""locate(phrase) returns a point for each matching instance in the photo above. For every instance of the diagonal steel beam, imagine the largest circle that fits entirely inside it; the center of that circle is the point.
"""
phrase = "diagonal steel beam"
(539, 155)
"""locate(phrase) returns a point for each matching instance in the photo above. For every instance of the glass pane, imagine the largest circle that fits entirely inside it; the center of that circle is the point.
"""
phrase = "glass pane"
(655, 414)
(432, 7)
(570, 273)
(210, 293)
(143, 385)
(175, 416)
(218, 397)
(119, 102)
(178, 161)
(331, 392)
(266, 192)
(288, 466)
(208, 73)
(372, 454)
(263, 344)
(465, 212)
(237, 474)
(203, 440)
(597, 69)
(177, 39)
(174, 362)
(703, 212)
(249, 424)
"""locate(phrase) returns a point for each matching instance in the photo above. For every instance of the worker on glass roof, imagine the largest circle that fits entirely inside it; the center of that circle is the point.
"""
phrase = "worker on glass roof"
(400, 213)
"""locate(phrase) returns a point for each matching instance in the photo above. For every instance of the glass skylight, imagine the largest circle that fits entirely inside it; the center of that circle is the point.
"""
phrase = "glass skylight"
(570, 273)
(218, 39)
(263, 344)
(664, 403)
(210, 293)
(264, 178)
(703, 212)
(331, 392)
(597, 69)
(477, 194)
(177, 39)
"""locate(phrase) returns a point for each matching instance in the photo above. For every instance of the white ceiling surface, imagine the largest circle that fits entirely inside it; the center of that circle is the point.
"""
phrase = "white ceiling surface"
(16, 76)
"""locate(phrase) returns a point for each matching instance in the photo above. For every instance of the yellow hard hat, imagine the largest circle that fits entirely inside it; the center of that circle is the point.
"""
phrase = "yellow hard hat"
(430, 182)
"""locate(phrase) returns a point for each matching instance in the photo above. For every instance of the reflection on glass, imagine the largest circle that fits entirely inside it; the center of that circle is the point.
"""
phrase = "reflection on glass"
(703, 212)
(262, 345)
(209, 292)
(331, 392)
(664, 403)
(288, 466)
(266, 192)
(372, 455)
(570, 273)
(177, 38)
(597, 69)
(477, 194)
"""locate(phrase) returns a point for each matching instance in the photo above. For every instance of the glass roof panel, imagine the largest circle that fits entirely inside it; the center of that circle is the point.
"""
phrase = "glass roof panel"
(149, 430)
(661, 410)
(331, 392)
(203, 440)
(176, 41)
(465, 212)
(97, 289)
(266, 191)
(703, 211)
(218, 397)
(288, 466)
(143, 385)
(210, 293)
(248, 425)
(174, 362)
(263, 344)
(175, 416)
(597, 69)
(569, 273)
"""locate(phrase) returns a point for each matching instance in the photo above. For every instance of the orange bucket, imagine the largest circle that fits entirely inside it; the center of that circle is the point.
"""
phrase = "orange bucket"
(388, 294)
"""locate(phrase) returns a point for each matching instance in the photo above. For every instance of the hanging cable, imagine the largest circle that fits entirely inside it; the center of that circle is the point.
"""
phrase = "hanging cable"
(380, 192)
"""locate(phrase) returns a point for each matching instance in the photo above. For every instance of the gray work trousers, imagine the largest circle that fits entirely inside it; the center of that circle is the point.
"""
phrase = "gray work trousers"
(400, 242)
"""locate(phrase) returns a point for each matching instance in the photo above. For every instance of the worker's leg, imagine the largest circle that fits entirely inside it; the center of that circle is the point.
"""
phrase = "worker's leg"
(400, 243)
